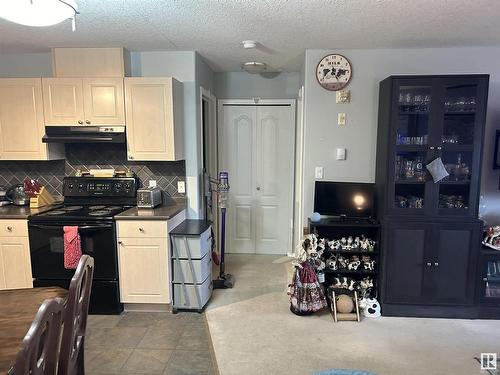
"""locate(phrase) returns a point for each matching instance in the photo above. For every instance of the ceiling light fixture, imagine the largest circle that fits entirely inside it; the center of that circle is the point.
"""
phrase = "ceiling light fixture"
(254, 67)
(39, 13)
(249, 44)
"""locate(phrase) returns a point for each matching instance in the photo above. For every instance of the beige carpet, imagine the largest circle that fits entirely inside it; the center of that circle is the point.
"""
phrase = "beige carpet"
(253, 332)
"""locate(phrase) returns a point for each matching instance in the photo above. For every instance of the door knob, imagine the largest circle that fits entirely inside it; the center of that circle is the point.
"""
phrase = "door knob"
(436, 264)
(87, 121)
(80, 122)
(258, 187)
(429, 264)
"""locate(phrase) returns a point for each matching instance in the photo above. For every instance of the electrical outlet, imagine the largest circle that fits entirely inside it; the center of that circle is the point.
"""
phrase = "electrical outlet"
(318, 172)
(152, 183)
(181, 187)
(341, 119)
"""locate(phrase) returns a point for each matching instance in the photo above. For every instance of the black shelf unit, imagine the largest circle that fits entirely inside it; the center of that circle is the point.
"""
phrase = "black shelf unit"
(430, 231)
(336, 228)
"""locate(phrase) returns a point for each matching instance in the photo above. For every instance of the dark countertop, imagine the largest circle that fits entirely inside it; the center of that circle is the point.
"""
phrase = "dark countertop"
(163, 212)
(191, 227)
(21, 212)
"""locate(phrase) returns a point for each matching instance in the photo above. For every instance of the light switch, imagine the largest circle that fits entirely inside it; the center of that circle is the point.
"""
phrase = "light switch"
(340, 154)
(181, 187)
(318, 172)
(341, 118)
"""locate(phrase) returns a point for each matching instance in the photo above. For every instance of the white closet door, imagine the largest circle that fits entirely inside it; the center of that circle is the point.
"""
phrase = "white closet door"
(257, 149)
(274, 177)
(238, 158)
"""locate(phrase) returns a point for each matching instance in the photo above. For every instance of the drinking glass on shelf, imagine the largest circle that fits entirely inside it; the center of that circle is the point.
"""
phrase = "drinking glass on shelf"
(418, 101)
(460, 104)
(448, 105)
(426, 103)
(409, 169)
(470, 104)
(408, 100)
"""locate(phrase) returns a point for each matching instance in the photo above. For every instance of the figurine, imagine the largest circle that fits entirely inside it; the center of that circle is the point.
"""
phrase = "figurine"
(356, 243)
(332, 263)
(491, 238)
(354, 263)
(343, 243)
(341, 262)
(349, 243)
(370, 307)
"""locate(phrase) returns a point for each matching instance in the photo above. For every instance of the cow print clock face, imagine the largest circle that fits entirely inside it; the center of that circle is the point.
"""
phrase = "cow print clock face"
(334, 72)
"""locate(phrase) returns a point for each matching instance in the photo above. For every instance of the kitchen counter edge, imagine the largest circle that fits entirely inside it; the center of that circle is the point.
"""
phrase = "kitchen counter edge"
(158, 213)
(21, 212)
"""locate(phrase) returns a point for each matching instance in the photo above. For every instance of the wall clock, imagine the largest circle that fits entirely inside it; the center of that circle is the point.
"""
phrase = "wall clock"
(334, 72)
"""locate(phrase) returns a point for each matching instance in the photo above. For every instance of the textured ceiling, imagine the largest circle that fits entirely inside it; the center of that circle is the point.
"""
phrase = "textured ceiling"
(284, 28)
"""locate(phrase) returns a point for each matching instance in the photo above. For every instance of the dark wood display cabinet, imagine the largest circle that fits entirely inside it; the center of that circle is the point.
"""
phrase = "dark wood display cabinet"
(488, 283)
(430, 231)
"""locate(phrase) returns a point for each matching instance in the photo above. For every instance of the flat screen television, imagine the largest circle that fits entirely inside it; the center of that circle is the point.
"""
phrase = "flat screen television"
(345, 199)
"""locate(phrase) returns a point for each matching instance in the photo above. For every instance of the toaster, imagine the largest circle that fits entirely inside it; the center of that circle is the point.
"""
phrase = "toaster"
(148, 197)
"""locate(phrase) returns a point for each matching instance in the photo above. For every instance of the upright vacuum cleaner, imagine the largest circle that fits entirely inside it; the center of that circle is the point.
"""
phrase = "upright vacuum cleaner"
(225, 280)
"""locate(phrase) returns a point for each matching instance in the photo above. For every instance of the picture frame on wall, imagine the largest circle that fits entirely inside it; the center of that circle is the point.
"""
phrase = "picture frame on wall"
(496, 156)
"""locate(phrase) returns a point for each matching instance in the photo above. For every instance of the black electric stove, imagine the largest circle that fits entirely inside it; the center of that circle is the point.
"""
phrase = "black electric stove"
(90, 204)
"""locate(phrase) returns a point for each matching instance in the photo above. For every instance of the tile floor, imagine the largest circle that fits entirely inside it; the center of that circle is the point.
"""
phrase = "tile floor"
(149, 343)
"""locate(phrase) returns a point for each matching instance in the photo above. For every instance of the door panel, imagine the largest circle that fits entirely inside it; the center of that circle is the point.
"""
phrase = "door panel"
(144, 276)
(275, 150)
(238, 158)
(103, 101)
(404, 263)
(63, 101)
(21, 119)
(452, 262)
(15, 264)
(150, 134)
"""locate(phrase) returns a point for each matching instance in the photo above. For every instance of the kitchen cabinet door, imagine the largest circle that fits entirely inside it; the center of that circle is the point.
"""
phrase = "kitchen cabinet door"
(153, 109)
(63, 101)
(454, 257)
(15, 263)
(103, 101)
(21, 119)
(144, 270)
(405, 268)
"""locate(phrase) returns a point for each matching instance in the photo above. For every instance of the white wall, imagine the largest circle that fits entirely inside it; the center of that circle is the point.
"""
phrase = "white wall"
(242, 85)
(359, 136)
(26, 64)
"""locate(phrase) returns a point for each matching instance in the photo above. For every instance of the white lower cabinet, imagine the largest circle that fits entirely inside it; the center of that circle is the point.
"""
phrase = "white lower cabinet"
(144, 260)
(15, 263)
(144, 270)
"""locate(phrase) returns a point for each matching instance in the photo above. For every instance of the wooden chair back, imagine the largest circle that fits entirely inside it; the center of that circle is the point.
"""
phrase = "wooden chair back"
(40, 348)
(75, 319)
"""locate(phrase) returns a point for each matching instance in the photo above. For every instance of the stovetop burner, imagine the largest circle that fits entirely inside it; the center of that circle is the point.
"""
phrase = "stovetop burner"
(96, 208)
(71, 208)
(100, 213)
(56, 212)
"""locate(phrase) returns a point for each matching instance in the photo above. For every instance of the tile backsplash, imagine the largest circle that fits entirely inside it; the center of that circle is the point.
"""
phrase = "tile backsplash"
(87, 155)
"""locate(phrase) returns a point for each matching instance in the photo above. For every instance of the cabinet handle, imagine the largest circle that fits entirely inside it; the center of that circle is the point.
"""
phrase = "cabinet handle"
(131, 157)
(80, 122)
(432, 147)
(436, 264)
(258, 188)
(439, 148)
(141, 230)
(87, 121)
(9, 229)
(120, 243)
(485, 279)
(429, 264)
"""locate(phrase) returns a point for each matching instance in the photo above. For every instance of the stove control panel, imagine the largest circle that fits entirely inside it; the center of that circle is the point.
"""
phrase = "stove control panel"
(95, 186)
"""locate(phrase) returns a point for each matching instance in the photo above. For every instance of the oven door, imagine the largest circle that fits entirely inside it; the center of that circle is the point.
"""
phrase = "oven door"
(47, 249)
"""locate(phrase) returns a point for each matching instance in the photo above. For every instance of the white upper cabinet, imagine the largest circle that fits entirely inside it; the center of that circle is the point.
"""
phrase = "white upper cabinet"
(103, 101)
(153, 109)
(83, 101)
(21, 120)
(63, 101)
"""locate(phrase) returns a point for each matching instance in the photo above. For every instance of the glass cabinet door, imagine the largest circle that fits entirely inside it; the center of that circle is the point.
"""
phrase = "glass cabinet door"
(457, 125)
(411, 138)
(490, 291)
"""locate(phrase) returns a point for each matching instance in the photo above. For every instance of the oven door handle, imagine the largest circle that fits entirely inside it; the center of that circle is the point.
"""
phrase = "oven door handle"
(84, 227)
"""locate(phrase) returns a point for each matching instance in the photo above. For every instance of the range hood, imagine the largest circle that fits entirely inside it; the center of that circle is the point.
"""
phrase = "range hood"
(84, 134)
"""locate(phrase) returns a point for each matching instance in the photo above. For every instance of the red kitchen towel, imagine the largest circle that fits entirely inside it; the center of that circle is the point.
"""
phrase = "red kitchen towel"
(72, 247)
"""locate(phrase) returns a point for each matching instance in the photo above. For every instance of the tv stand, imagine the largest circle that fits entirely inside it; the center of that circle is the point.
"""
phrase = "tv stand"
(342, 221)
